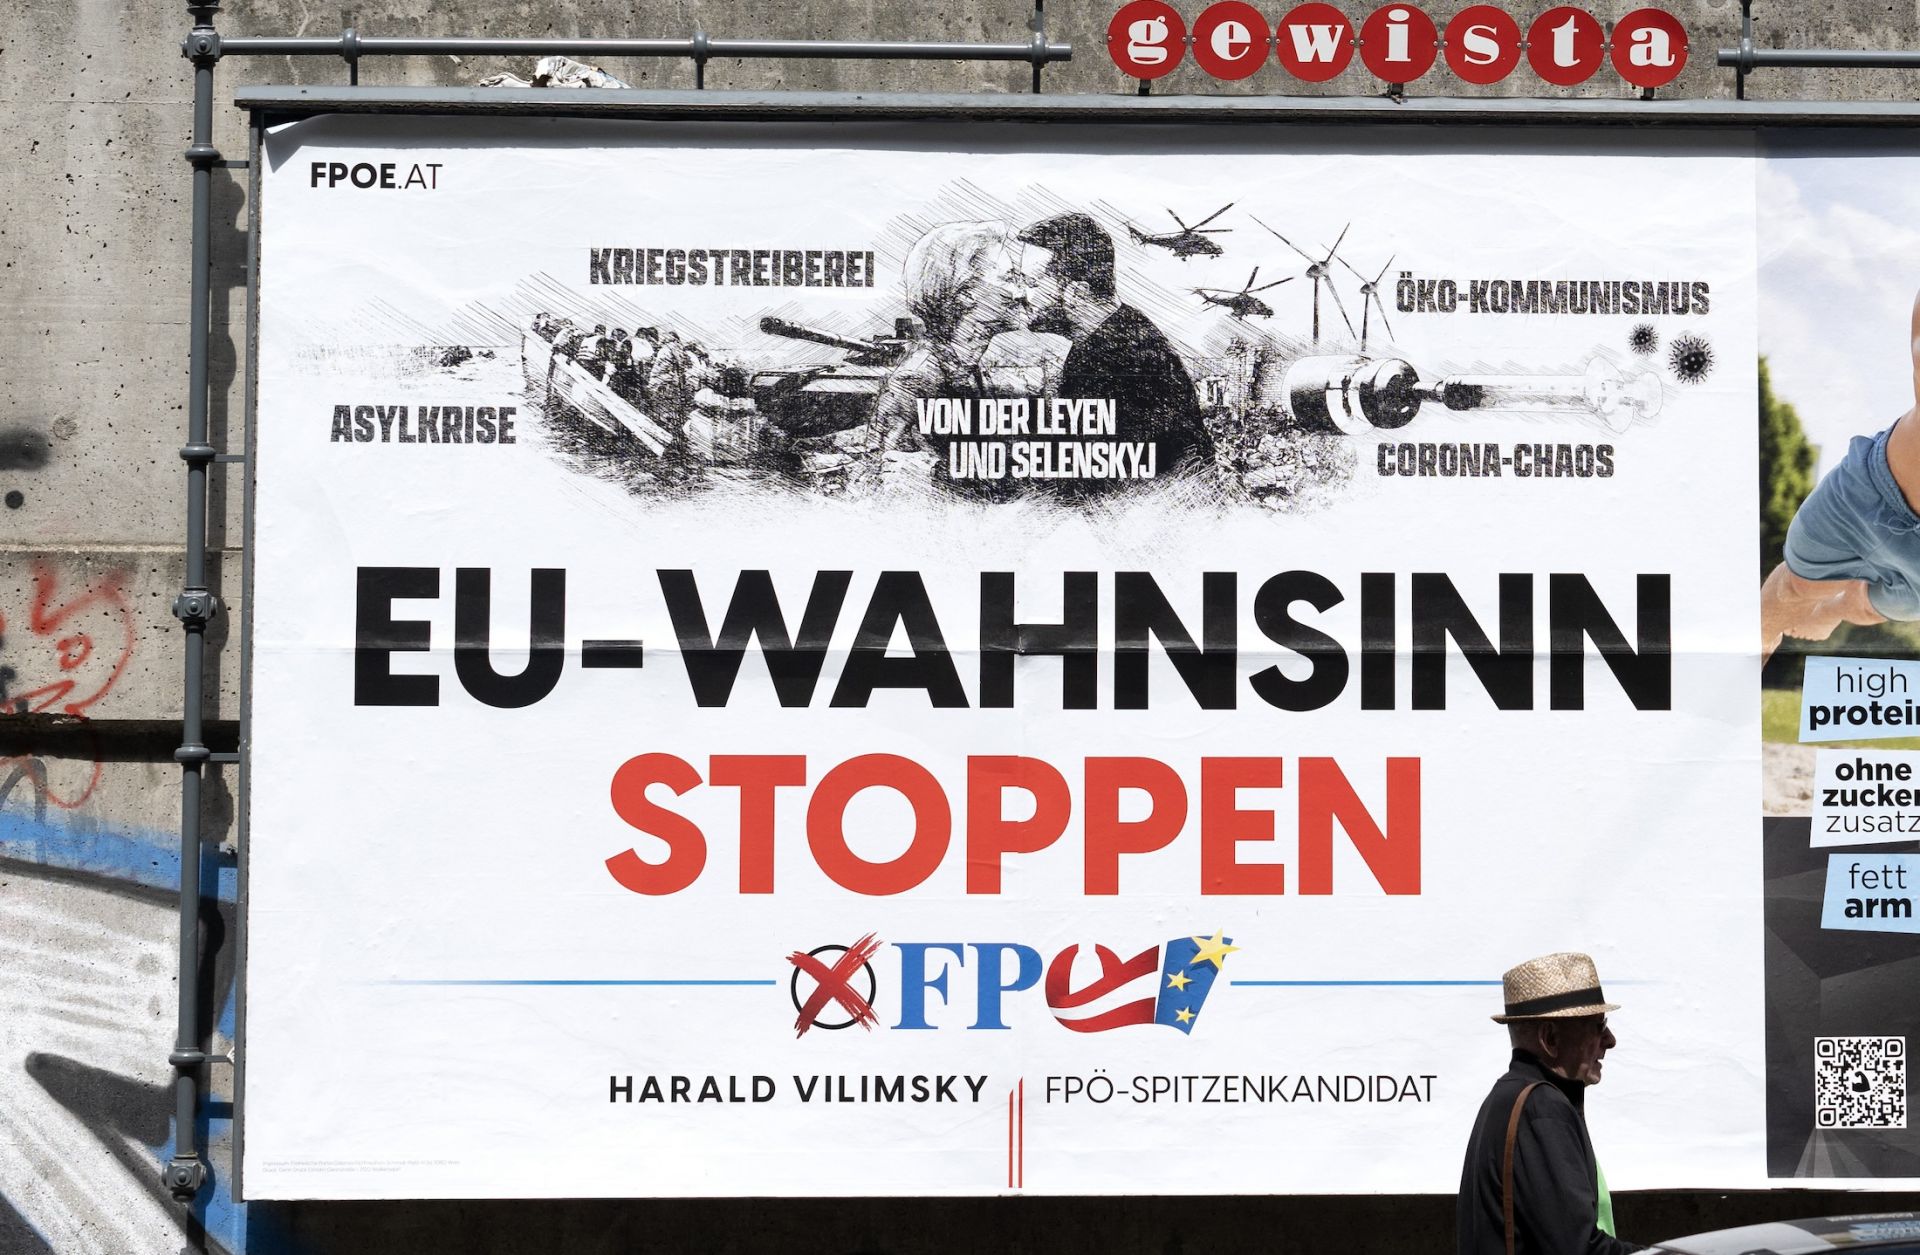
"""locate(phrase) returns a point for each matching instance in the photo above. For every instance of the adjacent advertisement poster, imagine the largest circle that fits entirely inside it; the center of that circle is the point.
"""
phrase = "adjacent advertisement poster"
(1840, 345)
(873, 660)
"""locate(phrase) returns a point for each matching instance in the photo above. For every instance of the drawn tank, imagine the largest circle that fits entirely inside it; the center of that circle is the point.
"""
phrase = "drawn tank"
(820, 400)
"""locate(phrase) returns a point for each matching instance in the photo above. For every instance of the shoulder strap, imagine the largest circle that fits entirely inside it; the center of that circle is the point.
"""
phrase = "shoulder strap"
(1506, 1162)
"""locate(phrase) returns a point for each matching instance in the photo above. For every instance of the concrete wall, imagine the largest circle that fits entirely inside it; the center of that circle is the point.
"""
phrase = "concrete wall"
(93, 288)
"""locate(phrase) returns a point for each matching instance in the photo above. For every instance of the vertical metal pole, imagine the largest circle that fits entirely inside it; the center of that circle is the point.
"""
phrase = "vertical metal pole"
(186, 1172)
(1746, 50)
(1039, 26)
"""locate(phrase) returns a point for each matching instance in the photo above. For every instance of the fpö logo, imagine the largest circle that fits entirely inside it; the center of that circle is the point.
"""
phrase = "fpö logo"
(838, 986)
(1398, 43)
(385, 176)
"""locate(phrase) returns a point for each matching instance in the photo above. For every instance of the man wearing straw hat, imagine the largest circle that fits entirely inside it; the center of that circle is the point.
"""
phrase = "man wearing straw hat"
(1531, 1185)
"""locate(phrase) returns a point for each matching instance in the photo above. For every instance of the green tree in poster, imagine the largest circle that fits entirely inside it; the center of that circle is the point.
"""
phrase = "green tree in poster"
(1786, 470)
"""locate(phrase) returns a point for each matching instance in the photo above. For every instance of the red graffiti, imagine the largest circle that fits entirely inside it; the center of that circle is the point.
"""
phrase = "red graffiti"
(71, 627)
(61, 664)
(41, 790)
(74, 650)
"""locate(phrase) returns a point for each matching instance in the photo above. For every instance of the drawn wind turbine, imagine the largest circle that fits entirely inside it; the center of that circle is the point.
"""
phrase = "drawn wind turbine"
(1370, 292)
(1318, 269)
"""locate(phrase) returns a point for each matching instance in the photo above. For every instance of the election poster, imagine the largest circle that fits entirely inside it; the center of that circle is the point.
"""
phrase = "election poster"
(870, 659)
(1840, 347)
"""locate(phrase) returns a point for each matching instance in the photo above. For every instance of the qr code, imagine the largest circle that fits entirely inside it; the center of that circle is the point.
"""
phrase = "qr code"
(1860, 1082)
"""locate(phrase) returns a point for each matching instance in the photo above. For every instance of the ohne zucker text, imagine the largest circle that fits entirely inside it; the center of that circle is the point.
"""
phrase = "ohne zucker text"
(1347, 1087)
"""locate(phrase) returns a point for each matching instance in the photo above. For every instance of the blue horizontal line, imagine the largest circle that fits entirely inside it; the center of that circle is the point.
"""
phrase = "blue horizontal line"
(577, 982)
(1365, 982)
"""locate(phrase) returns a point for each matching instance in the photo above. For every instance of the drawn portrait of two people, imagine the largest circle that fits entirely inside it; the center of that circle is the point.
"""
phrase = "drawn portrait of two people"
(967, 283)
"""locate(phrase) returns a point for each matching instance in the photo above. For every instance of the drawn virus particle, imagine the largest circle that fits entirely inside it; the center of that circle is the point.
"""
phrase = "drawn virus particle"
(1643, 338)
(1690, 358)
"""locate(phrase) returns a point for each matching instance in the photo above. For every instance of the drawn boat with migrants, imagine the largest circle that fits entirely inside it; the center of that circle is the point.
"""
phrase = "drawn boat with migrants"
(559, 386)
(800, 401)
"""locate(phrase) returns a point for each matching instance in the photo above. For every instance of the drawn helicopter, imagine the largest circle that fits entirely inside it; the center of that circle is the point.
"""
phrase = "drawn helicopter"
(1188, 241)
(1242, 304)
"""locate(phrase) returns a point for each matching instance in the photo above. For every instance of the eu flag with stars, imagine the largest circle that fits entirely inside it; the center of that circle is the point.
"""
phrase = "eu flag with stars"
(1188, 968)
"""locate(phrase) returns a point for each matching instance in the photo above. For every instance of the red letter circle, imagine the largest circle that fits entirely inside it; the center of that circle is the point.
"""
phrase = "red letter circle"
(1566, 45)
(1314, 42)
(1399, 43)
(1483, 44)
(1146, 38)
(1230, 39)
(1649, 48)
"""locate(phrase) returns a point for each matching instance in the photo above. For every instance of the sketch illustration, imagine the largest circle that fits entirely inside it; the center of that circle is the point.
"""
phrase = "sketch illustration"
(1025, 351)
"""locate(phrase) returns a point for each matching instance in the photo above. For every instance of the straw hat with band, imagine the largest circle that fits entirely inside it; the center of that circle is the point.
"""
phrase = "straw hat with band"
(1552, 987)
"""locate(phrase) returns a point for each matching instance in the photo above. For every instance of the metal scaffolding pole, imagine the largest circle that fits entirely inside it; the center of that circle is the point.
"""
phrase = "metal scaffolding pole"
(1037, 50)
(351, 46)
(195, 607)
(1746, 58)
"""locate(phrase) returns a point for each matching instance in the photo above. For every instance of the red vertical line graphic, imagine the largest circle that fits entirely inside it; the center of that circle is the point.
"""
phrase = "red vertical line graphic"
(1009, 1139)
(1022, 1142)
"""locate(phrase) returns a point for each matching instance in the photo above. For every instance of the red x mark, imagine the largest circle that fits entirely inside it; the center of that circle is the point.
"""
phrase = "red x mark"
(833, 984)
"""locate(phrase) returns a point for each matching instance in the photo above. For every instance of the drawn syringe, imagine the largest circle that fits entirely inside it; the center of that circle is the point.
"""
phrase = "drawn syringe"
(1359, 394)
(1601, 390)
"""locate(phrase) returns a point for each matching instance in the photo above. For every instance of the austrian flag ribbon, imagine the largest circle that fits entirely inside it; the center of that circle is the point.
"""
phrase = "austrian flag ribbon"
(1181, 972)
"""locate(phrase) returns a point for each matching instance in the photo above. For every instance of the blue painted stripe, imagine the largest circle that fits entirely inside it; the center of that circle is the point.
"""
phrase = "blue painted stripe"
(578, 982)
(148, 858)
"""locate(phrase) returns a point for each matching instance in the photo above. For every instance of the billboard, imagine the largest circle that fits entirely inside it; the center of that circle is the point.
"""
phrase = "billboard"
(870, 659)
(1842, 354)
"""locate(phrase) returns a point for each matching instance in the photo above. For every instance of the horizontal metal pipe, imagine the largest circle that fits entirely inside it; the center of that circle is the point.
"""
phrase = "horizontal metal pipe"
(374, 46)
(283, 102)
(855, 49)
(1820, 59)
(713, 49)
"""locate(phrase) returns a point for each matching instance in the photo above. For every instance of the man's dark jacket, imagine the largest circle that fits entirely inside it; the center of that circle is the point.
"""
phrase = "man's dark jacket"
(1555, 1185)
(1126, 359)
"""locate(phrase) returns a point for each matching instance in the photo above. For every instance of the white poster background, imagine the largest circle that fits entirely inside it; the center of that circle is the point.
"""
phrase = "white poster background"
(390, 846)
